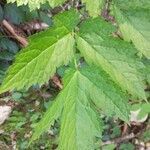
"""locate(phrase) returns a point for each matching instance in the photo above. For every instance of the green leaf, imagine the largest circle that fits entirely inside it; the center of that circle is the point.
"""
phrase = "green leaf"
(128, 146)
(5, 55)
(125, 4)
(116, 57)
(52, 113)
(36, 4)
(109, 147)
(106, 95)
(146, 136)
(16, 96)
(144, 109)
(47, 50)
(134, 22)
(94, 7)
(13, 13)
(79, 121)
(146, 71)
(9, 45)
(1, 13)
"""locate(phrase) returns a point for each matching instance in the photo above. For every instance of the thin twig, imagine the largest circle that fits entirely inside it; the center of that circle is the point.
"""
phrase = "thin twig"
(23, 41)
(125, 138)
(119, 140)
(125, 128)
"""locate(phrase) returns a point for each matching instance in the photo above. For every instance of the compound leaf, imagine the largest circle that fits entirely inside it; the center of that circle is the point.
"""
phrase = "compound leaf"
(115, 56)
(47, 50)
(80, 123)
